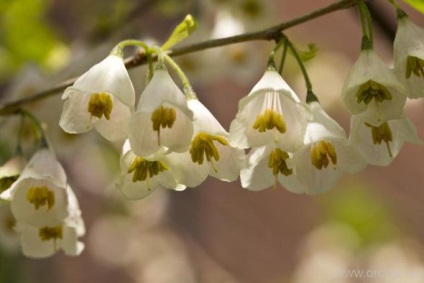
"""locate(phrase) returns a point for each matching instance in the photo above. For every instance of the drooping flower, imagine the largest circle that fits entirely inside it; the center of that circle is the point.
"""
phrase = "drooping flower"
(102, 98)
(38, 196)
(408, 51)
(162, 118)
(266, 166)
(40, 242)
(209, 153)
(270, 113)
(325, 155)
(140, 176)
(379, 144)
(371, 86)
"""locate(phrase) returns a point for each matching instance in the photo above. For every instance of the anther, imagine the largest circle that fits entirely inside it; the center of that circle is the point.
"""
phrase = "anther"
(372, 90)
(40, 196)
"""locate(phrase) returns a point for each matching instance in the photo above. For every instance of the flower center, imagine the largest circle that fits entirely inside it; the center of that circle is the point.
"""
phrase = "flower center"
(322, 153)
(50, 233)
(277, 162)
(269, 120)
(202, 145)
(144, 169)
(163, 117)
(372, 90)
(100, 105)
(414, 65)
(40, 196)
(381, 134)
(6, 182)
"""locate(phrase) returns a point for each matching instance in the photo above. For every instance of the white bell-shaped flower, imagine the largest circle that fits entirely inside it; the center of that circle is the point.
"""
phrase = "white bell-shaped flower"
(162, 118)
(140, 176)
(325, 155)
(266, 166)
(209, 153)
(102, 98)
(371, 86)
(40, 242)
(408, 51)
(38, 197)
(270, 113)
(379, 144)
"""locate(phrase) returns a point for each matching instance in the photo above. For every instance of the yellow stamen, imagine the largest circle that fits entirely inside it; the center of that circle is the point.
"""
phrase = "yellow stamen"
(40, 196)
(51, 233)
(322, 153)
(277, 162)
(414, 65)
(144, 169)
(381, 134)
(100, 105)
(372, 90)
(270, 120)
(163, 117)
(202, 145)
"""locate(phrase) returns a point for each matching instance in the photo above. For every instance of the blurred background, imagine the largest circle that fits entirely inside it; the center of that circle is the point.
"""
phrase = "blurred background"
(367, 229)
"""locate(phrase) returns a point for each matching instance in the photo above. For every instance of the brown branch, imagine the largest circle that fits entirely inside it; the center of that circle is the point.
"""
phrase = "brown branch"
(268, 34)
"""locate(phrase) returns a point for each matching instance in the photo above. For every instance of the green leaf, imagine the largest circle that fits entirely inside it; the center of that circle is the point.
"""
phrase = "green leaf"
(25, 35)
(181, 32)
(308, 54)
(416, 4)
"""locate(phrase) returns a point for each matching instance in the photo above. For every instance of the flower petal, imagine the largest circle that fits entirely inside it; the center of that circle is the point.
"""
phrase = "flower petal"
(26, 212)
(370, 67)
(229, 165)
(43, 165)
(115, 129)
(144, 140)
(256, 176)
(75, 118)
(313, 180)
(409, 41)
(160, 90)
(204, 120)
(32, 245)
(379, 154)
(185, 171)
(110, 75)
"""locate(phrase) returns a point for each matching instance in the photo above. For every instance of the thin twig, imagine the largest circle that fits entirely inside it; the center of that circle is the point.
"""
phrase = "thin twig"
(271, 33)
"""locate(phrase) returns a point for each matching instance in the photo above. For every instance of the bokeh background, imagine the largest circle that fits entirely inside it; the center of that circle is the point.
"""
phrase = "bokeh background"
(371, 222)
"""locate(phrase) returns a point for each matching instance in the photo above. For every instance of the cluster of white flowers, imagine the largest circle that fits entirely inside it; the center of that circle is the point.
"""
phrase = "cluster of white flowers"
(45, 210)
(376, 95)
(294, 143)
(172, 140)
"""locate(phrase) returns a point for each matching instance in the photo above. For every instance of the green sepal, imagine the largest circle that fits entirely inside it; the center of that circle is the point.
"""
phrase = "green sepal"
(416, 4)
(308, 54)
(181, 32)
